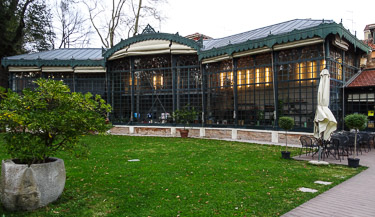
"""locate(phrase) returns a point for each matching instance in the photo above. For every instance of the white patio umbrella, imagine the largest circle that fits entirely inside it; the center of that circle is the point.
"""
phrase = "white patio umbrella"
(324, 122)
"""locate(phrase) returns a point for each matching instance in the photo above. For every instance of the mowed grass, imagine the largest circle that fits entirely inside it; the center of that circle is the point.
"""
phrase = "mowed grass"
(184, 177)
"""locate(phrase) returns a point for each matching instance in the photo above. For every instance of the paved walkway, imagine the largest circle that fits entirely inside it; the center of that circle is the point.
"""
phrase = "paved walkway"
(354, 197)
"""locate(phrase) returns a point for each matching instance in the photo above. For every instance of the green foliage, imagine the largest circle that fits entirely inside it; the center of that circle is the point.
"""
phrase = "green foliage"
(39, 123)
(286, 123)
(186, 177)
(185, 115)
(260, 114)
(280, 107)
(38, 33)
(26, 26)
(356, 121)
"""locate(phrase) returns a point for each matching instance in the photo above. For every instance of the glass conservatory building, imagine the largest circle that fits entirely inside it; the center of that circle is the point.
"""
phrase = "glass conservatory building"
(246, 80)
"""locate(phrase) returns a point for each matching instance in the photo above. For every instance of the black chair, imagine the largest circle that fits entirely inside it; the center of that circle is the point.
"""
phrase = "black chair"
(307, 144)
(372, 141)
(351, 143)
(341, 146)
(331, 147)
(334, 148)
(365, 141)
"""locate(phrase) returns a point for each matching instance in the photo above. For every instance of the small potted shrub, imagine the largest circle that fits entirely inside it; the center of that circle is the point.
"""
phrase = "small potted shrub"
(286, 123)
(185, 116)
(39, 124)
(356, 122)
(260, 117)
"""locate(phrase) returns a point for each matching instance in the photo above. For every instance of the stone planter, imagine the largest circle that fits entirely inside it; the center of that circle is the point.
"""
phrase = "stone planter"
(29, 188)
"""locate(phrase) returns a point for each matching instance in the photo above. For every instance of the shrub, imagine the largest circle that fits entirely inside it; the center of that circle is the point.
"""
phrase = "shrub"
(357, 122)
(286, 123)
(49, 119)
(185, 115)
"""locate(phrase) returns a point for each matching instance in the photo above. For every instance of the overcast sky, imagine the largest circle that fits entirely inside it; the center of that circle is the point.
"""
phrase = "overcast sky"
(219, 18)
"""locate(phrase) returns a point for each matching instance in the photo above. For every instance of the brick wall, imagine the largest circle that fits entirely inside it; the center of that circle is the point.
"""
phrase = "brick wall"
(215, 133)
(258, 136)
(193, 133)
(292, 138)
(152, 131)
(218, 133)
(120, 130)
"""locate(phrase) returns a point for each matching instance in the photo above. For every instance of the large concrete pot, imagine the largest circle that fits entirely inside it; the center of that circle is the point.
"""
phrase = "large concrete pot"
(28, 188)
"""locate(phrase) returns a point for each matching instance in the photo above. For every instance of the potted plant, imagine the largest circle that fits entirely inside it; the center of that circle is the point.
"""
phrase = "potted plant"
(356, 122)
(260, 116)
(39, 124)
(286, 123)
(185, 116)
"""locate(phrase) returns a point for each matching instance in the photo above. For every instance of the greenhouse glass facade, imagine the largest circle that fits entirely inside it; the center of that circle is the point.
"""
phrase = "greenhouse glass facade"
(247, 80)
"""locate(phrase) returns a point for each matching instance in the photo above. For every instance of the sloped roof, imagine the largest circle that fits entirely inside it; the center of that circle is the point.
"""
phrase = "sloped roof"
(276, 29)
(370, 26)
(365, 78)
(370, 43)
(63, 54)
(289, 31)
(152, 36)
(60, 57)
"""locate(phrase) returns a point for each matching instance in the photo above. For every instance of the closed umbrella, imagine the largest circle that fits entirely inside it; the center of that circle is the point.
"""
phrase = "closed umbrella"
(324, 122)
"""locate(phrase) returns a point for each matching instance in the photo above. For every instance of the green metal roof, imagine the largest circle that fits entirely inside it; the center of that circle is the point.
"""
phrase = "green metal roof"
(289, 31)
(153, 36)
(293, 30)
(61, 57)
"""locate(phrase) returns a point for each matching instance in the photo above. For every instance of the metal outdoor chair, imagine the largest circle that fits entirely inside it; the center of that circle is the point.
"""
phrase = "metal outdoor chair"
(372, 141)
(307, 144)
(340, 142)
(330, 148)
(365, 141)
(335, 148)
(351, 143)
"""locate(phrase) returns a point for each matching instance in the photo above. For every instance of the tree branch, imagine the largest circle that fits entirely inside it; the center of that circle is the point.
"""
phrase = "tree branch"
(137, 18)
(21, 25)
(104, 42)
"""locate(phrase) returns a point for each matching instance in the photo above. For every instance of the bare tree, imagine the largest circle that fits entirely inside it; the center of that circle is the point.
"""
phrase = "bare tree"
(137, 17)
(71, 30)
(123, 16)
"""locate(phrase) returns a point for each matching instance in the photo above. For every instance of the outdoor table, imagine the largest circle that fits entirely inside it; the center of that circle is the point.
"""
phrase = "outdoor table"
(326, 150)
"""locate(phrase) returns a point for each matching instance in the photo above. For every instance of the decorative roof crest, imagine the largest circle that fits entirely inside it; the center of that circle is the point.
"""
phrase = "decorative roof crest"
(148, 30)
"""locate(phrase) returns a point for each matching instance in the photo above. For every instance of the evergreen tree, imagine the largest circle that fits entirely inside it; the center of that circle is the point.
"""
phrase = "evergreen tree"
(25, 26)
(38, 34)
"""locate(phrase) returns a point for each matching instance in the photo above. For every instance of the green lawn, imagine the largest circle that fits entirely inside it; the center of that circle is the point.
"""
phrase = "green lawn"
(184, 177)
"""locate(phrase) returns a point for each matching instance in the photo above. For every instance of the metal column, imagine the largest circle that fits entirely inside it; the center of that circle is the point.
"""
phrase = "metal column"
(132, 90)
(174, 82)
(235, 92)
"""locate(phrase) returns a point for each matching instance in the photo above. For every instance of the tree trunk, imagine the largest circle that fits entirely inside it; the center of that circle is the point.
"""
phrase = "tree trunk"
(355, 143)
(286, 140)
(137, 18)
